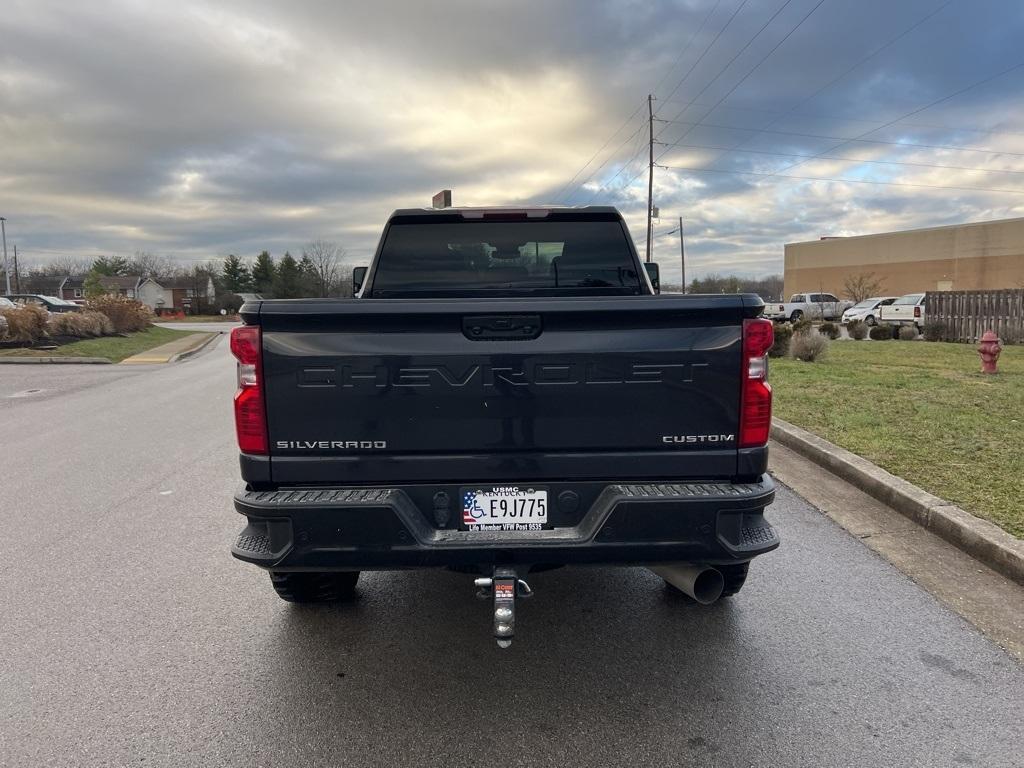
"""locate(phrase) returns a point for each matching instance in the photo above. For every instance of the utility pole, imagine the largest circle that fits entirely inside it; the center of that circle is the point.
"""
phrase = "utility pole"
(682, 254)
(7, 272)
(17, 277)
(650, 170)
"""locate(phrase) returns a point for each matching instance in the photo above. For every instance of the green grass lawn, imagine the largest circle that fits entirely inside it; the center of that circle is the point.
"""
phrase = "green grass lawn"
(922, 411)
(114, 348)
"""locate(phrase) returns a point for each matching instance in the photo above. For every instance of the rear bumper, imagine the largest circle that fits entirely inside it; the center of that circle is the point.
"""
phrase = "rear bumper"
(382, 528)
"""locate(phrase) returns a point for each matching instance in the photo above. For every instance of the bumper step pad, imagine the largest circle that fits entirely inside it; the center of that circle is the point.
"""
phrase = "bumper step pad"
(382, 527)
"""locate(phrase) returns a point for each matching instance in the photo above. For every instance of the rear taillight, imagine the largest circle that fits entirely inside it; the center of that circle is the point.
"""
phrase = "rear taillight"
(917, 311)
(250, 417)
(756, 394)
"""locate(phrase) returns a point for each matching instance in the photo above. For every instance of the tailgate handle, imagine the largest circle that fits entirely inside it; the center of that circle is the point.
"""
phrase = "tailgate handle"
(489, 327)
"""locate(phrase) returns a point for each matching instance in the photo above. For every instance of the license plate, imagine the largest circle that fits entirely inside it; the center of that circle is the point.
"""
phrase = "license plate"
(505, 508)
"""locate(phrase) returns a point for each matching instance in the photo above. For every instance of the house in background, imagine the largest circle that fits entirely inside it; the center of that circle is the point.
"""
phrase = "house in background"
(73, 288)
(189, 295)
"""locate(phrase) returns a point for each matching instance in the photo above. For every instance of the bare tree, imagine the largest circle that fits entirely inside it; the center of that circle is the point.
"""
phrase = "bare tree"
(862, 286)
(150, 265)
(325, 257)
(67, 265)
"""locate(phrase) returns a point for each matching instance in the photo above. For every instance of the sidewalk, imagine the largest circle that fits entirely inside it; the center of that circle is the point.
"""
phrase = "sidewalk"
(172, 350)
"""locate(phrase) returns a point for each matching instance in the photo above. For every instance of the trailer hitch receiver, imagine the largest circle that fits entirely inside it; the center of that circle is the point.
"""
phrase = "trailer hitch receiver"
(504, 586)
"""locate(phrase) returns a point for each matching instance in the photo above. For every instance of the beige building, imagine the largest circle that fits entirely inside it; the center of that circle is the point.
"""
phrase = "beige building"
(962, 257)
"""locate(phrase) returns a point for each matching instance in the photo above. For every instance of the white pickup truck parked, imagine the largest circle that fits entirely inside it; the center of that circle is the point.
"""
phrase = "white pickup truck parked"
(813, 306)
(906, 310)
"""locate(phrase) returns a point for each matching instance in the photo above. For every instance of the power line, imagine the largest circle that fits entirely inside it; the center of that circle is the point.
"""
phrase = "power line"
(641, 145)
(850, 159)
(636, 111)
(707, 48)
(781, 172)
(917, 111)
(637, 134)
(826, 86)
(686, 48)
(739, 53)
(844, 181)
(756, 66)
(838, 118)
(847, 139)
(599, 151)
(750, 71)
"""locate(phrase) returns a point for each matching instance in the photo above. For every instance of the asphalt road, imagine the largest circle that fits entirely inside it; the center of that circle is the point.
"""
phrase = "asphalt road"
(129, 636)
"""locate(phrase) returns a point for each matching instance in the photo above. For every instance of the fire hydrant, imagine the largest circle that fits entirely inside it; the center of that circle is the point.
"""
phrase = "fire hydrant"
(989, 349)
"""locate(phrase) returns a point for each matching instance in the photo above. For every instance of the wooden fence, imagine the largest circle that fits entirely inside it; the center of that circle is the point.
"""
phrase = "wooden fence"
(966, 315)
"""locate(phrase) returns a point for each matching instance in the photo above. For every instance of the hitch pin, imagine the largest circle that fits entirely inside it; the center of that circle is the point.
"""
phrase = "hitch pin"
(505, 586)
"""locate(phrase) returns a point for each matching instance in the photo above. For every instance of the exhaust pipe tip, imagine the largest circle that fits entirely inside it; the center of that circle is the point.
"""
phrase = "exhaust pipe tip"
(702, 583)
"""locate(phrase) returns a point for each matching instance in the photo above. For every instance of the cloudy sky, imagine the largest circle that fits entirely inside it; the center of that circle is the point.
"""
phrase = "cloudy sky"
(201, 129)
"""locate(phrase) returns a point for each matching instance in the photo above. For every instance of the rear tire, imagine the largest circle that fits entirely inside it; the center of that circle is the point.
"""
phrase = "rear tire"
(735, 576)
(314, 587)
(797, 315)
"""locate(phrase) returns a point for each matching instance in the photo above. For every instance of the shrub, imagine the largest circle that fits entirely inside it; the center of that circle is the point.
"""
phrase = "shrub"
(857, 329)
(126, 315)
(25, 325)
(802, 325)
(880, 332)
(830, 329)
(908, 333)
(783, 334)
(935, 331)
(231, 302)
(81, 325)
(808, 346)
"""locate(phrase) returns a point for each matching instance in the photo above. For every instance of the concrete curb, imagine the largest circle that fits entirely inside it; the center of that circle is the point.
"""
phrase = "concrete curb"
(979, 538)
(167, 353)
(5, 360)
(214, 335)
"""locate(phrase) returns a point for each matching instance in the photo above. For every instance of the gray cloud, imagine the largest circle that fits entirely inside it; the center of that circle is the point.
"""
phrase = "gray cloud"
(201, 129)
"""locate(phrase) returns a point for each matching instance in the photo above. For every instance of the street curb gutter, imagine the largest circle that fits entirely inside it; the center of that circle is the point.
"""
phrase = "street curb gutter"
(6, 360)
(214, 335)
(978, 538)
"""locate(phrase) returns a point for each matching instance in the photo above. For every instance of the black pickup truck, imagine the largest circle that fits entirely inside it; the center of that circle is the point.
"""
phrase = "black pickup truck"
(506, 392)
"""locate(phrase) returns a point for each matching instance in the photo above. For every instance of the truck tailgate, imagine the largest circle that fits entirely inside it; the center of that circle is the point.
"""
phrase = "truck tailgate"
(370, 391)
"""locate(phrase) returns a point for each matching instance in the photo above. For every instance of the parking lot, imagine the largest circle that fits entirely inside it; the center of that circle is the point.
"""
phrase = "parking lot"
(132, 637)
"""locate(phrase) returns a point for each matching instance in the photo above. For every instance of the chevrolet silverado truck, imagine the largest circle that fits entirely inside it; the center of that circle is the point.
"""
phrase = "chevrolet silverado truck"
(506, 392)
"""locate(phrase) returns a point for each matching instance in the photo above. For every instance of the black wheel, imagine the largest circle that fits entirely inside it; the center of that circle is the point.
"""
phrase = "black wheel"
(735, 576)
(314, 587)
(797, 314)
(870, 320)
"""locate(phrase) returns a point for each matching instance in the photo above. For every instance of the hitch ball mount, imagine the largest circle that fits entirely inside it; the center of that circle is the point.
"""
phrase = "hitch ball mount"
(505, 586)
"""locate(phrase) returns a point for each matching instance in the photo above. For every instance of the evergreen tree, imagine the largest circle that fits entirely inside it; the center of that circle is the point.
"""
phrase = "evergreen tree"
(263, 273)
(235, 277)
(308, 275)
(288, 281)
(92, 287)
(110, 266)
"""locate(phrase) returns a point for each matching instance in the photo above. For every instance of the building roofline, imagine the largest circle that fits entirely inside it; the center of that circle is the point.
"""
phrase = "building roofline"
(840, 238)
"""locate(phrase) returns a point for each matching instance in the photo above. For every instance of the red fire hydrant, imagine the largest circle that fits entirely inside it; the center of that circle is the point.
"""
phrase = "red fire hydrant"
(989, 349)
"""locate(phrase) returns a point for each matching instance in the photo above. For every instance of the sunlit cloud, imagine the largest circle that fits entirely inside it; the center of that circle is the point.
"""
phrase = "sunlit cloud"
(203, 129)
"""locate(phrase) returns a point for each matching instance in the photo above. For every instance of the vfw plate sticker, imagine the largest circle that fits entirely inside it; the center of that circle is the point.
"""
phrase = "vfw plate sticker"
(505, 508)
